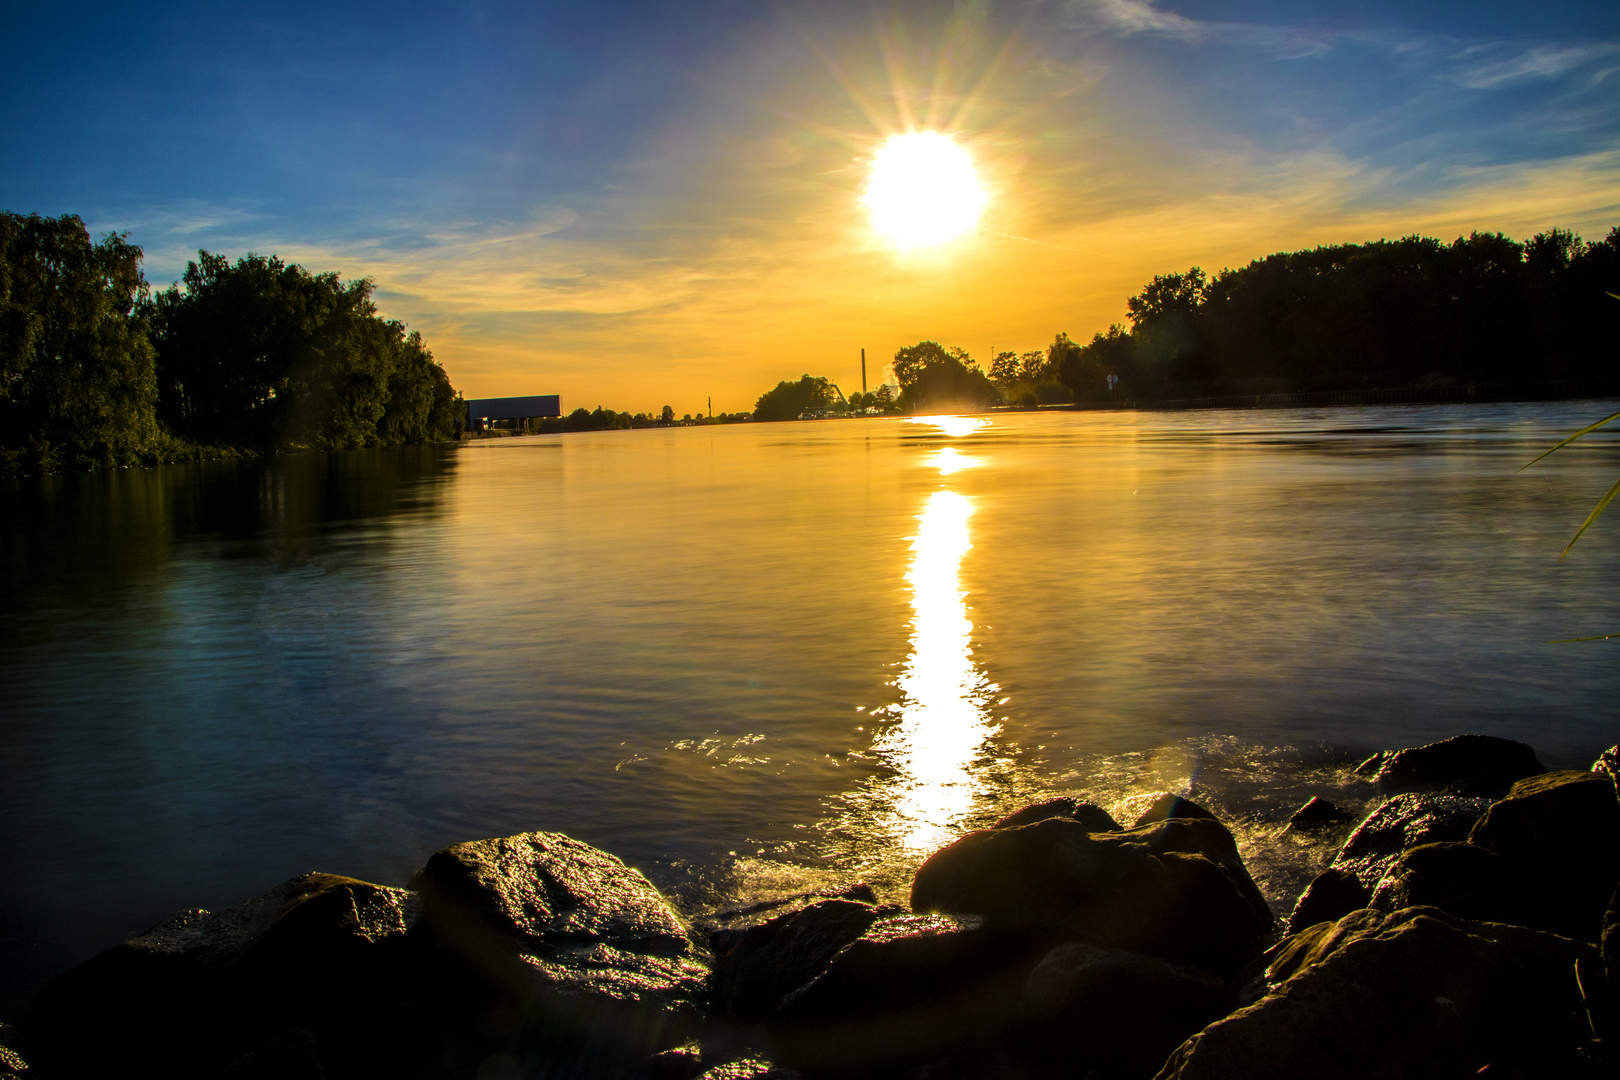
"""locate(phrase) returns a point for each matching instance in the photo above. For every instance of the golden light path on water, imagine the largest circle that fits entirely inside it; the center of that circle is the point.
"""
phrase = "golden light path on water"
(943, 723)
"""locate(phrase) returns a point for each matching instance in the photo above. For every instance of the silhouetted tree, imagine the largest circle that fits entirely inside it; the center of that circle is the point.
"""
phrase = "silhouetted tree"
(787, 400)
(77, 382)
(266, 353)
(932, 377)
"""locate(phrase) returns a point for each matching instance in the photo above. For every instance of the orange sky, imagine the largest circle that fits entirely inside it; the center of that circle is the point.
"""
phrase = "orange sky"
(704, 236)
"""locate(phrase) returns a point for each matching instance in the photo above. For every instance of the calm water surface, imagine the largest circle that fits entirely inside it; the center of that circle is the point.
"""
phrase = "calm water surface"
(750, 658)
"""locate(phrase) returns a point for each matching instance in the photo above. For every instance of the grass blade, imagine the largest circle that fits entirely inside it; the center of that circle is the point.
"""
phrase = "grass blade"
(1596, 510)
(1584, 431)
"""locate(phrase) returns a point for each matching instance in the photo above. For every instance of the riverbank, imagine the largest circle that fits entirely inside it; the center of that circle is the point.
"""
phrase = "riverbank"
(1467, 926)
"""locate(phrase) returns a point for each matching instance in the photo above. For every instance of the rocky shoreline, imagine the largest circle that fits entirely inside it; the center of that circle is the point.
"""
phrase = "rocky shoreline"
(1469, 926)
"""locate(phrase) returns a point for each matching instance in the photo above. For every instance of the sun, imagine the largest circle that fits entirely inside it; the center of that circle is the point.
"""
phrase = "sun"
(923, 190)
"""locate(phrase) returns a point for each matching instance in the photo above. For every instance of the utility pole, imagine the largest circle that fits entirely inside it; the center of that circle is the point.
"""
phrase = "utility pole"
(863, 371)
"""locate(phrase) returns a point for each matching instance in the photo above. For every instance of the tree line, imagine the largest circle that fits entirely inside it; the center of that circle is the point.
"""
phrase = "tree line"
(97, 370)
(1389, 314)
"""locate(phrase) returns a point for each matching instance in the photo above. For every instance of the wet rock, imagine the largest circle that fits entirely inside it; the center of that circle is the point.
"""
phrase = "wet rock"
(585, 961)
(1092, 816)
(1316, 814)
(749, 915)
(1609, 941)
(1176, 888)
(1333, 894)
(1403, 822)
(1118, 1013)
(757, 966)
(1561, 833)
(1163, 805)
(1472, 765)
(292, 1055)
(911, 988)
(680, 1063)
(749, 1069)
(1461, 879)
(201, 989)
(1414, 993)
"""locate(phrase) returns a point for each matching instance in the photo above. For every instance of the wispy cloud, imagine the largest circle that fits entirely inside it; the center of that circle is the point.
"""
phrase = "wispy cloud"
(1483, 67)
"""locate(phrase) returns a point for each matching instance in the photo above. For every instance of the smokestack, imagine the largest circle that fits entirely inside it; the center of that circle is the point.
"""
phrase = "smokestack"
(863, 371)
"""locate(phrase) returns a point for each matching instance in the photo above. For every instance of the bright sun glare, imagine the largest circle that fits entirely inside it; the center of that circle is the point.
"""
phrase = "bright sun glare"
(923, 190)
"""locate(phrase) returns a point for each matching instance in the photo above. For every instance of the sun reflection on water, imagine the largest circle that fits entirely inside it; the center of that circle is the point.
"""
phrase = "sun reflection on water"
(942, 723)
(954, 426)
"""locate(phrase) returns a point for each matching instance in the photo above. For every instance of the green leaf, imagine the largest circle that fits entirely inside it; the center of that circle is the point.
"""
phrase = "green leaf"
(1584, 431)
(1593, 516)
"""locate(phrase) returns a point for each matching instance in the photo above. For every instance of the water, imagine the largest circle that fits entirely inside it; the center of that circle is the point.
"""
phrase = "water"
(750, 658)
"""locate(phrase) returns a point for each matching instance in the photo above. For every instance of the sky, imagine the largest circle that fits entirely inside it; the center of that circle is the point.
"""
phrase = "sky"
(647, 203)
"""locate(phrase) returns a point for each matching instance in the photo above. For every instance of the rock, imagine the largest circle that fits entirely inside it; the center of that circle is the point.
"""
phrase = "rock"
(201, 989)
(1609, 941)
(1163, 805)
(749, 915)
(1176, 888)
(911, 988)
(749, 1069)
(1414, 993)
(757, 966)
(583, 956)
(1471, 765)
(1333, 894)
(11, 1062)
(1404, 822)
(1460, 879)
(1118, 1013)
(1608, 762)
(1092, 816)
(681, 1063)
(1318, 813)
(292, 1055)
(1561, 833)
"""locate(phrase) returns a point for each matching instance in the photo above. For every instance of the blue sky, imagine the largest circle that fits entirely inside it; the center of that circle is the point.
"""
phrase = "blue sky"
(643, 203)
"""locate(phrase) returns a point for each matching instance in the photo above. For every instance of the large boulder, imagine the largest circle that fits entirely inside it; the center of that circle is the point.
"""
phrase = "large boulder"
(583, 960)
(1176, 888)
(756, 966)
(1402, 823)
(910, 989)
(1112, 1012)
(1609, 942)
(319, 954)
(1472, 765)
(1317, 814)
(1561, 834)
(1159, 805)
(1413, 993)
(1331, 895)
(1461, 879)
(1092, 816)
(1608, 763)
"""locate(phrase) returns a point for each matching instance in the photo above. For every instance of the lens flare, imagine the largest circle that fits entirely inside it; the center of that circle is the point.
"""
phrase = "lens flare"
(923, 191)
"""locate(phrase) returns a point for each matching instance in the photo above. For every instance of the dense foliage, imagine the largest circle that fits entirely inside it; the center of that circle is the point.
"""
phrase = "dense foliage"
(95, 371)
(267, 354)
(601, 419)
(790, 400)
(1418, 311)
(77, 387)
(937, 379)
